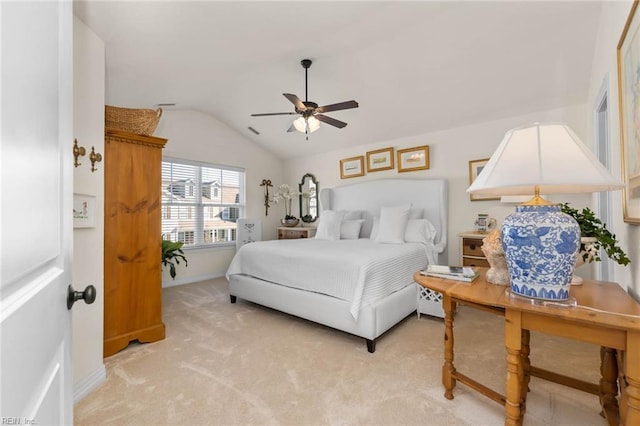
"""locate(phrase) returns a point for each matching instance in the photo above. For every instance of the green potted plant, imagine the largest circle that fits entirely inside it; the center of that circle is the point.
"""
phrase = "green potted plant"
(172, 254)
(591, 226)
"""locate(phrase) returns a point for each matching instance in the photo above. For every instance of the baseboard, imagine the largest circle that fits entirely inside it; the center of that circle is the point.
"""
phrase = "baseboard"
(191, 280)
(85, 386)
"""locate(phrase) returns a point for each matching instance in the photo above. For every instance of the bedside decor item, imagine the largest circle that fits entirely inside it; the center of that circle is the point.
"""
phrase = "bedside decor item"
(475, 167)
(266, 183)
(291, 222)
(132, 120)
(539, 240)
(286, 195)
(628, 92)
(484, 223)
(352, 167)
(308, 188)
(498, 273)
(594, 236)
(585, 255)
(412, 159)
(380, 159)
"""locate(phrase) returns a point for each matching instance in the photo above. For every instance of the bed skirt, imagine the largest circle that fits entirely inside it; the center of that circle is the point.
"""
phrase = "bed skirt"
(374, 319)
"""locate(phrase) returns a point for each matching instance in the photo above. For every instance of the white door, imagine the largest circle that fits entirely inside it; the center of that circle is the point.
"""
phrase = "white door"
(35, 212)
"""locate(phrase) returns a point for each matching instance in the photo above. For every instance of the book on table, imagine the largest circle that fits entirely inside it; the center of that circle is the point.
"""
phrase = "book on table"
(456, 273)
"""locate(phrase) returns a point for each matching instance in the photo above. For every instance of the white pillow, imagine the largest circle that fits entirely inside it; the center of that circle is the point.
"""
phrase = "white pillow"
(351, 214)
(329, 226)
(416, 213)
(350, 229)
(393, 223)
(420, 231)
(374, 227)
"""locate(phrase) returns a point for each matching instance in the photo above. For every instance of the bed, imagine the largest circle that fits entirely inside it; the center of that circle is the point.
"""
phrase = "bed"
(362, 283)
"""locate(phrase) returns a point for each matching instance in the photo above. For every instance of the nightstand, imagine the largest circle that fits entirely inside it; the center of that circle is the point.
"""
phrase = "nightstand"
(286, 233)
(470, 249)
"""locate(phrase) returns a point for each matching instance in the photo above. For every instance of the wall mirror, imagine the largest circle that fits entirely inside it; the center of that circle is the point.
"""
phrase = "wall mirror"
(308, 198)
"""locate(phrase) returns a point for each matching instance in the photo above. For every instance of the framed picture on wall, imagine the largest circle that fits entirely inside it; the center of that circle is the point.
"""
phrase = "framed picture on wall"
(629, 93)
(352, 167)
(411, 159)
(84, 211)
(380, 159)
(475, 167)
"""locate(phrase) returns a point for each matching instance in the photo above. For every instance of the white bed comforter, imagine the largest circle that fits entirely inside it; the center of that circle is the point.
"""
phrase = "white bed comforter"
(353, 270)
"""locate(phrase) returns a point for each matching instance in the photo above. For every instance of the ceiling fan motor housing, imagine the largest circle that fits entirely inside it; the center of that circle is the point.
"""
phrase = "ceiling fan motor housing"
(309, 110)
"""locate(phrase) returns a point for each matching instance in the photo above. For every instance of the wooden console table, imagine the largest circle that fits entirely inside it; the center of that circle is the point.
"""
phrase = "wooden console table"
(604, 315)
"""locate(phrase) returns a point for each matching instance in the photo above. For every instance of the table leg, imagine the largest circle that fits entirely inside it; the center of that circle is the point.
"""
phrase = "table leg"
(526, 368)
(609, 384)
(632, 374)
(448, 368)
(622, 385)
(513, 342)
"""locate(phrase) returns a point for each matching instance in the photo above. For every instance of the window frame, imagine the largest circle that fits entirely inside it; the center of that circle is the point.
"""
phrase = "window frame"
(200, 208)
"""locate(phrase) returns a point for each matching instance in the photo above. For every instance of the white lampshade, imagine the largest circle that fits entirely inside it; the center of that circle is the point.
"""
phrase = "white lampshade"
(300, 124)
(549, 155)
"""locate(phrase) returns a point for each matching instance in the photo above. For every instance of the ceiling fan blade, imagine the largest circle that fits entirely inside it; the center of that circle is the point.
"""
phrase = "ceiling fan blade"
(338, 106)
(273, 113)
(295, 100)
(332, 121)
(291, 128)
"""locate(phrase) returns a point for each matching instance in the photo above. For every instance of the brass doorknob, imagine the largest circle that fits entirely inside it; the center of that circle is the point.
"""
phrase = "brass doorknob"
(88, 295)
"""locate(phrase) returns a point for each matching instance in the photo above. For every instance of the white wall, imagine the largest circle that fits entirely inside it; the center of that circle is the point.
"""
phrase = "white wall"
(88, 243)
(450, 152)
(193, 135)
(612, 21)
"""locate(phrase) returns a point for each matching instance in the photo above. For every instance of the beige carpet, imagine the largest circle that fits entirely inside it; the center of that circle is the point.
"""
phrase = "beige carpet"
(242, 364)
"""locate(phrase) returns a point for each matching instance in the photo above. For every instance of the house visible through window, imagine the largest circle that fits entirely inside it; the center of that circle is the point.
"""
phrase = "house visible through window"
(201, 202)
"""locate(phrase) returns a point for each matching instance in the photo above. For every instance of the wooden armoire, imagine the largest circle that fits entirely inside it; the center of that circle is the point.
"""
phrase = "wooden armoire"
(132, 240)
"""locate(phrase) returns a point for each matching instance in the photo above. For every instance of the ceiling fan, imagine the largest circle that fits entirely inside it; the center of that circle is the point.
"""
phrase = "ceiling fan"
(310, 113)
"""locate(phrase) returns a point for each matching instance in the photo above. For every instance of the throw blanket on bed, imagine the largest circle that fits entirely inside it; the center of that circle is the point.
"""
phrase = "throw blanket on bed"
(353, 270)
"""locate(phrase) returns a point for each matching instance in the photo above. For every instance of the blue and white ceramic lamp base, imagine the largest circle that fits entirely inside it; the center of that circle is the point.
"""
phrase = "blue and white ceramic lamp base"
(541, 245)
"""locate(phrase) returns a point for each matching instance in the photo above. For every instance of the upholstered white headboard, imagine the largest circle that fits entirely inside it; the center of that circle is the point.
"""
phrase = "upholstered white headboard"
(428, 194)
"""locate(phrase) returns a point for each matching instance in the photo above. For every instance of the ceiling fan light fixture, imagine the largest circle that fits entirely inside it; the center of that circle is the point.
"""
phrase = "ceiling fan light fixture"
(300, 124)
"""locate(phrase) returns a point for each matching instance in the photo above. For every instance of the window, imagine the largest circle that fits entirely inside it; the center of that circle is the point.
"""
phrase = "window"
(201, 202)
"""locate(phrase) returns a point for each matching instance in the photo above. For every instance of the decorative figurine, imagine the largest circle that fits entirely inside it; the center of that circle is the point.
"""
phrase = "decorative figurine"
(266, 183)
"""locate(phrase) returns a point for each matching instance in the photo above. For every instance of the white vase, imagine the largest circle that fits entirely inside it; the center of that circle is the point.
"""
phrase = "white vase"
(590, 251)
(289, 222)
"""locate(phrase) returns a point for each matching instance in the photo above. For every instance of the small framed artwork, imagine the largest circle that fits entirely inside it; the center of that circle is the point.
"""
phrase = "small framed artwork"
(628, 83)
(411, 159)
(475, 167)
(84, 211)
(381, 159)
(352, 167)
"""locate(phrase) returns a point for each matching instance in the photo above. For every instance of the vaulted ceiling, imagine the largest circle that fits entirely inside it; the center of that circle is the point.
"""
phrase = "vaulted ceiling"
(414, 67)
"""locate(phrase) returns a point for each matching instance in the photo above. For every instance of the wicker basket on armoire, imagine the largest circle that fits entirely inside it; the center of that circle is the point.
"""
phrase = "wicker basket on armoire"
(133, 120)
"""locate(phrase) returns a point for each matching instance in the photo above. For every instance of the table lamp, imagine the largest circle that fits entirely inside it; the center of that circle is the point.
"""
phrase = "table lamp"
(541, 242)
